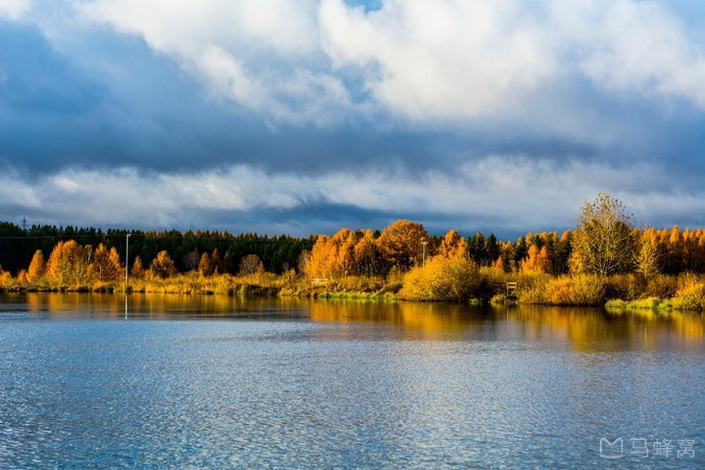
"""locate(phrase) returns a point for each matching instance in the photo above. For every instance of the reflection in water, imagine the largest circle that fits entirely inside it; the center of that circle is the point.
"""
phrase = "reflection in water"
(583, 329)
(339, 384)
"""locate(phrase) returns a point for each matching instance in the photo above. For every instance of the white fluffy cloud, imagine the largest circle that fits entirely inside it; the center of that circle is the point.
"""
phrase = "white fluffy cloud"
(263, 55)
(446, 60)
(501, 193)
(14, 9)
(637, 47)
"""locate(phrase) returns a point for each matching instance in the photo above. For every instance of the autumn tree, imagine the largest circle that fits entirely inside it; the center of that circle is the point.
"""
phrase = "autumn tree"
(648, 260)
(345, 253)
(400, 244)
(5, 277)
(603, 242)
(216, 262)
(453, 246)
(106, 264)
(162, 265)
(205, 265)
(366, 254)
(37, 267)
(319, 262)
(251, 264)
(302, 262)
(344, 259)
(137, 270)
(538, 261)
(69, 263)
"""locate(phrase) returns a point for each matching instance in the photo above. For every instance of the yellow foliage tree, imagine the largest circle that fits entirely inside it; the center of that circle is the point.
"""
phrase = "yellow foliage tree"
(163, 266)
(69, 263)
(453, 246)
(37, 267)
(137, 270)
(648, 261)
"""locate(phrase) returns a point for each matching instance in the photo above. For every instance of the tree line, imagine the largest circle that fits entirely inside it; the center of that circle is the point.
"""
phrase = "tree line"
(185, 249)
(605, 242)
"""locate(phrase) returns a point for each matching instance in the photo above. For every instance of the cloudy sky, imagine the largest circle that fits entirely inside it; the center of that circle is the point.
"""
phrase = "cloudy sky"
(304, 116)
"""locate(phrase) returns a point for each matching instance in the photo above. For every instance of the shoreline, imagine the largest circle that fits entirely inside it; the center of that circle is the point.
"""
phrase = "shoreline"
(652, 304)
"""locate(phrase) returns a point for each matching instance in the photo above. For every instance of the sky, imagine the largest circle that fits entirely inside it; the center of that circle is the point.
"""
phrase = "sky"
(306, 116)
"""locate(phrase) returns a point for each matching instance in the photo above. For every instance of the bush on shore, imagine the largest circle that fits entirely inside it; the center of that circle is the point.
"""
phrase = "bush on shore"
(442, 278)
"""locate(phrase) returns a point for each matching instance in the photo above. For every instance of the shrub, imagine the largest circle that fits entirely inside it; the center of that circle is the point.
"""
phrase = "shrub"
(625, 286)
(441, 279)
(690, 297)
(583, 289)
(531, 288)
(661, 286)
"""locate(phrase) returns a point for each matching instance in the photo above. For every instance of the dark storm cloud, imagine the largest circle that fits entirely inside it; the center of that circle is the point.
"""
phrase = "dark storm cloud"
(318, 116)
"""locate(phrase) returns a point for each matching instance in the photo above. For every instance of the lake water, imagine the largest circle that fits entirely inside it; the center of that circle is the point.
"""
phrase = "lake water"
(220, 382)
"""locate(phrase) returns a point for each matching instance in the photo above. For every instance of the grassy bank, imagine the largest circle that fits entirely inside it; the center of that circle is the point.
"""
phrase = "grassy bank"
(659, 292)
(450, 282)
(258, 285)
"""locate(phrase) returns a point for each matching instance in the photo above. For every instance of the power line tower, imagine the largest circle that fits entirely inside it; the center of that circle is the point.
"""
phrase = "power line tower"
(24, 224)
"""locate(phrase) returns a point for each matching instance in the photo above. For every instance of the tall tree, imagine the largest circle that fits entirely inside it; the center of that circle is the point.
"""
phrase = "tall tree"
(477, 248)
(37, 267)
(163, 266)
(69, 263)
(453, 246)
(603, 242)
(401, 244)
(106, 264)
(648, 260)
(538, 261)
(205, 265)
(251, 264)
(137, 270)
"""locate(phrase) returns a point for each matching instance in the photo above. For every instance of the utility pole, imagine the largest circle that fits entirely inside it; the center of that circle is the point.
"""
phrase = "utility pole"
(424, 242)
(127, 258)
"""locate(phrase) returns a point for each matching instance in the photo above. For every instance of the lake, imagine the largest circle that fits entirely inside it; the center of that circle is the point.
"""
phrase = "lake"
(160, 381)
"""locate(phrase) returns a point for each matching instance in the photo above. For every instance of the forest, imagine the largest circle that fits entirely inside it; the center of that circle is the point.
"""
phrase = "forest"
(606, 259)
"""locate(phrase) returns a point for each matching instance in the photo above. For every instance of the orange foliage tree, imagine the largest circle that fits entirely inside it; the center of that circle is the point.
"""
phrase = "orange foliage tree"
(538, 261)
(400, 245)
(37, 267)
(106, 264)
(345, 253)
